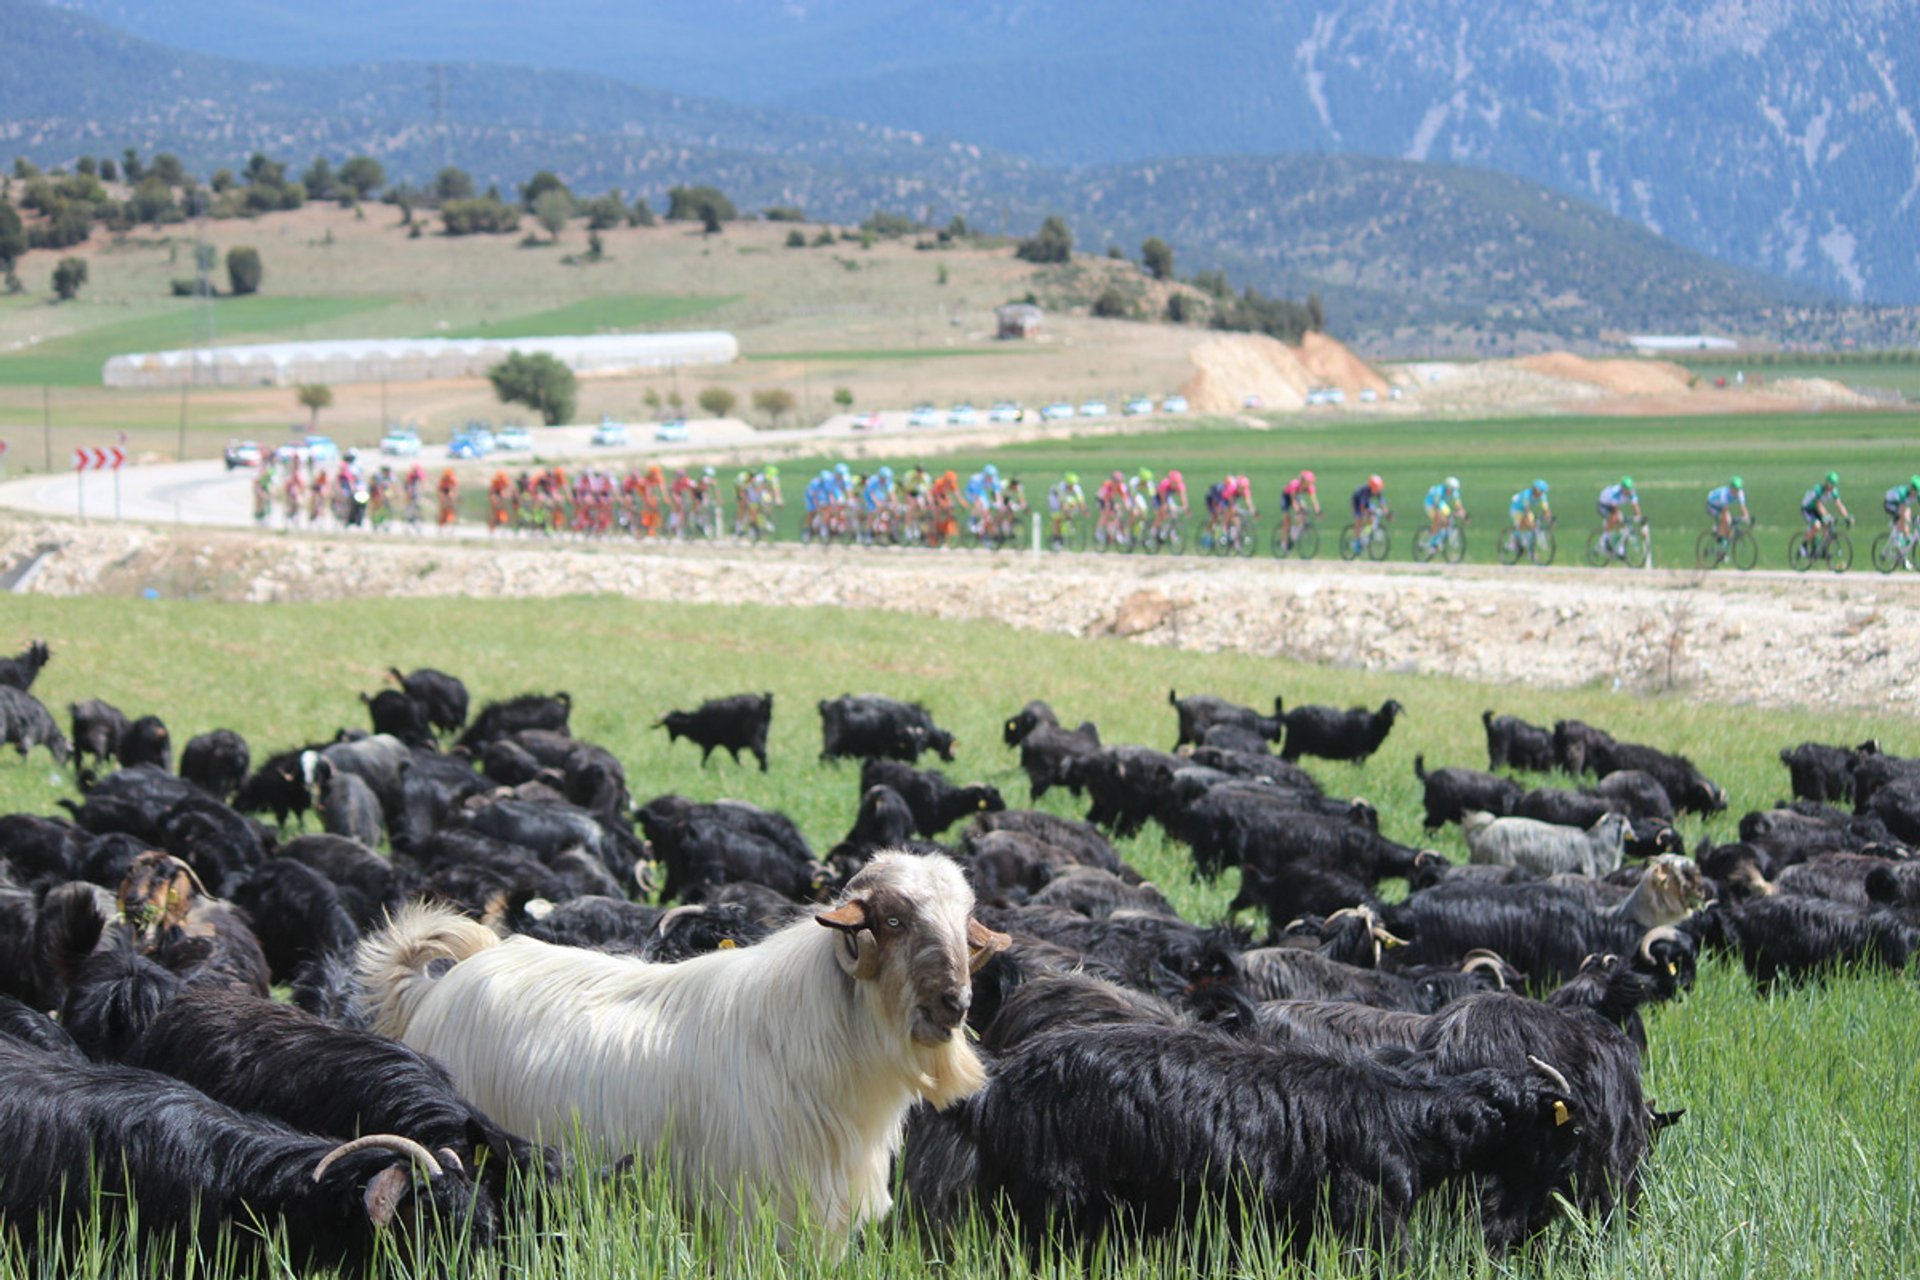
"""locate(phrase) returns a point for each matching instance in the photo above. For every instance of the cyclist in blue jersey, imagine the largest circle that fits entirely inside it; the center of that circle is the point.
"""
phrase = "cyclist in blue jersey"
(1443, 500)
(1613, 499)
(1722, 501)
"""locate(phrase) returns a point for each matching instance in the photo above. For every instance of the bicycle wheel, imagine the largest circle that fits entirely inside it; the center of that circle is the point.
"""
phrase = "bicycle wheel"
(1511, 548)
(1379, 542)
(1349, 546)
(1277, 541)
(1886, 557)
(1453, 544)
(1174, 538)
(1248, 540)
(1746, 550)
(1597, 554)
(1799, 554)
(1709, 550)
(1543, 547)
(1306, 544)
(1424, 547)
(1637, 550)
(1840, 553)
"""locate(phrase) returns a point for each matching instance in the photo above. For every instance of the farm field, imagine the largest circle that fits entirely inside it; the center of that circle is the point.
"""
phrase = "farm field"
(1673, 461)
(1903, 378)
(1797, 1153)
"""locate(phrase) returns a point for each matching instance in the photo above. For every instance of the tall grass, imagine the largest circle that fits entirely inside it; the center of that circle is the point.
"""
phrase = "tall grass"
(1798, 1154)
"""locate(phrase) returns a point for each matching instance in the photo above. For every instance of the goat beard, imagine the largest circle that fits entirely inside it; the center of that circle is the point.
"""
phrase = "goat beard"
(949, 1072)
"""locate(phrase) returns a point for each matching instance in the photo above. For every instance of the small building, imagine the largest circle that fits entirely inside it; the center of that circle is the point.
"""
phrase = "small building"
(1018, 320)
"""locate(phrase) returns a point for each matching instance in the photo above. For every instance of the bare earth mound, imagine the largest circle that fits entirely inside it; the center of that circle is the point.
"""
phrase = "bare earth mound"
(1616, 377)
(1234, 366)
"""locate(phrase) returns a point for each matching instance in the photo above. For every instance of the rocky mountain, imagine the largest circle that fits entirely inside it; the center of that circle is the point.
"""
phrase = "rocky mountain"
(1778, 134)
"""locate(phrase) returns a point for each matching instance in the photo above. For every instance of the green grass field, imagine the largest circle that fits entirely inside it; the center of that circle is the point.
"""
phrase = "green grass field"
(615, 313)
(1798, 1154)
(1902, 378)
(1673, 462)
(75, 359)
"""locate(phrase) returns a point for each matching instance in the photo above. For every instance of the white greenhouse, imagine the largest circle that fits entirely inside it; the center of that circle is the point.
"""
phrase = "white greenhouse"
(283, 364)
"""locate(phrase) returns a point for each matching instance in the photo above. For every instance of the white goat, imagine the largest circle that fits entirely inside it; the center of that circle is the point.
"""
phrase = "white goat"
(1546, 847)
(783, 1070)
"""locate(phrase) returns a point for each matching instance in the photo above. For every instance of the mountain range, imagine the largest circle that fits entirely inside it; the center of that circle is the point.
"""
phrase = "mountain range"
(1395, 245)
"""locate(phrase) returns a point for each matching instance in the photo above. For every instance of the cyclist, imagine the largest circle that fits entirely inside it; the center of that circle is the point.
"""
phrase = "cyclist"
(914, 485)
(1297, 494)
(1611, 500)
(1140, 491)
(1013, 504)
(940, 500)
(499, 502)
(449, 490)
(263, 493)
(1170, 500)
(1722, 501)
(1442, 501)
(1528, 507)
(769, 488)
(1899, 504)
(1065, 501)
(818, 498)
(1813, 506)
(1369, 504)
(292, 491)
(1112, 498)
(983, 489)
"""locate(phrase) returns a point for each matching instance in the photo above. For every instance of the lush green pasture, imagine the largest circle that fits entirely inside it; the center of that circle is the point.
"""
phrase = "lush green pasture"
(75, 359)
(1673, 461)
(1798, 1155)
(1903, 377)
(611, 313)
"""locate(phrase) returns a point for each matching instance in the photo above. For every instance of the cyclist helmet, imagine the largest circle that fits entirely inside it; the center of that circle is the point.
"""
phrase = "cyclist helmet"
(991, 470)
(1179, 481)
(1375, 483)
(1913, 482)
(1072, 477)
(773, 473)
(885, 473)
(1246, 486)
(1626, 482)
(1735, 483)
(1540, 486)
(1833, 477)
(1307, 478)
(1118, 478)
(707, 472)
(1453, 483)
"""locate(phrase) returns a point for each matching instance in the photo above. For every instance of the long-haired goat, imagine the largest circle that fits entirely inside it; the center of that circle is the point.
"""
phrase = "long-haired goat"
(787, 1067)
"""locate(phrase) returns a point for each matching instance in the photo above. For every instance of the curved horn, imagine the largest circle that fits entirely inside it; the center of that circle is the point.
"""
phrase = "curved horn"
(388, 1141)
(1552, 1073)
(1385, 939)
(1659, 933)
(1488, 960)
(673, 915)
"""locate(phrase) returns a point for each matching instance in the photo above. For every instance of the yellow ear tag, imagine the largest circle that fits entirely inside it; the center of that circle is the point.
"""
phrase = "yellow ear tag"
(1560, 1115)
(1673, 970)
(728, 944)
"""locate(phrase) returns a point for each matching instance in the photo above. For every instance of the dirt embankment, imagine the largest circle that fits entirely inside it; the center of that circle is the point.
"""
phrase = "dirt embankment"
(1850, 643)
(1232, 367)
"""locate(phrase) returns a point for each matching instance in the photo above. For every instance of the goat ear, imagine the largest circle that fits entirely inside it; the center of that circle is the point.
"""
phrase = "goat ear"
(384, 1193)
(983, 944)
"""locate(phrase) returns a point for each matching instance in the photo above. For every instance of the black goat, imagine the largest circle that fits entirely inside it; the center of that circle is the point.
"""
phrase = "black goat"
(936, 802)
(528, 711)
(146, 741)
(1026, 720)
(19, 671)
(703, 845)
(1824, 774)
(216, 762)
(1199, 712)
(1784, 936)
(398, 715)
(1453, 792)
(863, 725)
(98, 727)
(1333, 734)
(734, 724)
(443, 696)
(1686, 786)
(1574, 743)
(25, 724)
(1052, 757)
(190, 1163)
(1137, 1127)
(1512, 743)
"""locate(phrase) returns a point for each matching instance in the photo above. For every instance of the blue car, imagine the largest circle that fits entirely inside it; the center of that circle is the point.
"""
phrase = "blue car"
(471, 445)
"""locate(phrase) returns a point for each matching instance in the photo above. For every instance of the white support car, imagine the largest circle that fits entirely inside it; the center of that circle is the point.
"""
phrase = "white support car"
(1093, 408)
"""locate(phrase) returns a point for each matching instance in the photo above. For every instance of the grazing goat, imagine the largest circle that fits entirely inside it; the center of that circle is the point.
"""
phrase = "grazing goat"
(758, 1068)
(25, 724)
(98, 727)
(1512, 743)
(1688, 788)
(1822, 773)
(936, 803)
(216, 762)
(862, 725)
(1453, 792)
(734, 724)
(528, 711)
(189, 1163)
(1052, 757)
(1791, 938)
(399, 716)
(1877, 771)
(443, 696)
(1574, 743)
(18, 672)
(1333, 734)
(146, 741)
(1545, 847)
(1137, 1127)
(1199, 712)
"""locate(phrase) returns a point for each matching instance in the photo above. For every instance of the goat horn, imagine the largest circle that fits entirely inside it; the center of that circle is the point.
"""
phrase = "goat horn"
(674, 915)
(1385, 939)
(1659, 933)
(1551, 1073)
(388, 1141)
(1488, 960)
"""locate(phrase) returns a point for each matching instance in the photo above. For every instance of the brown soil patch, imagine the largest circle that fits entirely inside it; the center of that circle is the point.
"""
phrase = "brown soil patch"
(1234, 366)
(1618, 377)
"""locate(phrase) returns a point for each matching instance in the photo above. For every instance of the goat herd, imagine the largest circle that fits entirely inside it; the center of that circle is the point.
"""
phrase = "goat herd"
(1013, 1021)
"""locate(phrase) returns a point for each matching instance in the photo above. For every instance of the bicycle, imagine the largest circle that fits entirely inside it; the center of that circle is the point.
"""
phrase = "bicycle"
(1303, 542)
(1450, 544)
(1628, 544)
(1536, 544)
(1831, 545)
(1114, 530)
(1164, 533)
(1892, 549)
(1238, 534)
(1375, 543)
(1738, 547)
